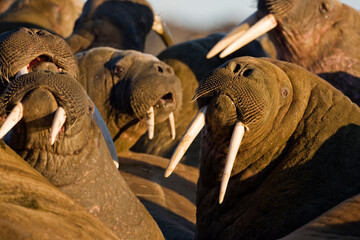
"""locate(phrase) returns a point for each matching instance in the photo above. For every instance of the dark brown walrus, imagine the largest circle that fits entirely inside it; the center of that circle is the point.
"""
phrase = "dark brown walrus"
(299, 154)
(32, 208)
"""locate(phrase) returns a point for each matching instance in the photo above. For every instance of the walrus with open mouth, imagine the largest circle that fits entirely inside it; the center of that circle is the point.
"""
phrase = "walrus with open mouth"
(279, 143)
(57, 131)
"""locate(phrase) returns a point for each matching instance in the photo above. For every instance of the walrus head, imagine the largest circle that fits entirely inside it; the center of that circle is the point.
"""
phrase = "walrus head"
(38, 49)
(122, 24)
(242, 97)
(313, 34)
(132, 90)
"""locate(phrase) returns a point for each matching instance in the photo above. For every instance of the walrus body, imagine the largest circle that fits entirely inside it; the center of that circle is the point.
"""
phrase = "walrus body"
(32, 208)
(78, 162)
(171, 202)
(298, 158)
(56, 16)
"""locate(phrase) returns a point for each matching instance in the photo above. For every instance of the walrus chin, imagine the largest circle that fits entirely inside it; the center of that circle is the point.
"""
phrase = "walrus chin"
(194, 129)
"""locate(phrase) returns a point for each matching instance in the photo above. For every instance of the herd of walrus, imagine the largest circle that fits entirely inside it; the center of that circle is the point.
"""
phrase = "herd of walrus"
(93, 129)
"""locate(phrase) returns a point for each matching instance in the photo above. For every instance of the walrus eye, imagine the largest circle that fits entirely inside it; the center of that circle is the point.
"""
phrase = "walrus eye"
(324, 8)
(118, 70)
(284, 92)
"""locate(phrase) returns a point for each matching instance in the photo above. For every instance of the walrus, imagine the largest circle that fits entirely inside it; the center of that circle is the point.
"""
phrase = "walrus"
(32, 208)
(56, 16)
(133, 91)
(121, 24)
(71, 152)
(321, 36)
(279, 143)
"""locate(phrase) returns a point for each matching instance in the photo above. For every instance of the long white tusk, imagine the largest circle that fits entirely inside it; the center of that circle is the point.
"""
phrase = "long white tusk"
(261, 27)
(58, 122)
(235, 142)
(22, 71)
(150, 122)
(235, 33)
(195, 127)
(172, 125)
(12, 119)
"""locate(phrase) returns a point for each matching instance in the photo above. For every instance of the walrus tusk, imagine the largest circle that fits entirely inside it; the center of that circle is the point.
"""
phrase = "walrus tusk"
(172, 125)
(261, 27)
(235, 142)
(162, 30)
(150, 122)
(12, 119)
(58, 122)
(234, 34)
(195, 127)
(22, 71)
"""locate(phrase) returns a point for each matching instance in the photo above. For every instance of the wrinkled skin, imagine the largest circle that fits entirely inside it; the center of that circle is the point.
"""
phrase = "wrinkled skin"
(119, 24)
(39, 46)
(124, 85)
(190, 65)
(298, 158)
(79, 163)
(322, 35)
(171, 201)
(32, 208)
(56, 16)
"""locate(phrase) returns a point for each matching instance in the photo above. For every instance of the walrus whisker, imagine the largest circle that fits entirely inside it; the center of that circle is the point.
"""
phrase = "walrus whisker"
(58, 122)
(12, 119)
(195, 127)
(150, 122)
(234, 34)
(235, 142)
(172, 125)
(22, 71)
(261, 27)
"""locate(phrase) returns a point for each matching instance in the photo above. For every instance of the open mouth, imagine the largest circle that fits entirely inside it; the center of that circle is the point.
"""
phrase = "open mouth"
(166, 102)
(42, 62)
(164, 108)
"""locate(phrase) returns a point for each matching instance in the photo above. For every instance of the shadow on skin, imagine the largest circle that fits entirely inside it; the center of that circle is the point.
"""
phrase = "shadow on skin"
(286, 195)
(177, 182)
(172, 225)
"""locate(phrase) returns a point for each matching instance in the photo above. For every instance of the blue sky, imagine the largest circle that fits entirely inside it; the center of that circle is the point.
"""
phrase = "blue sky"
(205, 14)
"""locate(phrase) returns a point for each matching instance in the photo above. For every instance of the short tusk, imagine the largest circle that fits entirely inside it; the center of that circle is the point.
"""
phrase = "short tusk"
(234, 34)
(235, 142)
(58, 122)
(172, 125)
(195, 127)
(21, 72)
(150, 122)
(261, 27)
(162, 30)
(12, 119)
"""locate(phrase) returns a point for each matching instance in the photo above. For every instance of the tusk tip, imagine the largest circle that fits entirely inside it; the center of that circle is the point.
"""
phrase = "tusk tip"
(221, 197)
(168, 172)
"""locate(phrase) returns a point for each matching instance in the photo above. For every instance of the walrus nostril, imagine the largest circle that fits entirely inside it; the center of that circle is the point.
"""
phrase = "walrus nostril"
(237, 68)
(167, 97)
(160, 70)
(247, 72)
